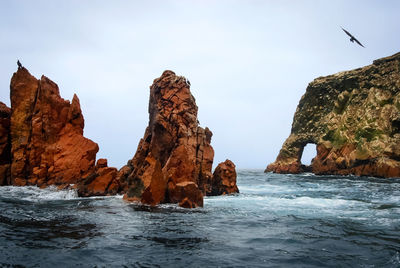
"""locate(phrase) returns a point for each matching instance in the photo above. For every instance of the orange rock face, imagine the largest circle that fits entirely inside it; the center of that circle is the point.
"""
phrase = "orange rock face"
(343, 161)
(186, 194)
(287, 167)
(224, 179)
(42, 144)
(174, 159)
(47, 142)
(5, 145)
(102, 182)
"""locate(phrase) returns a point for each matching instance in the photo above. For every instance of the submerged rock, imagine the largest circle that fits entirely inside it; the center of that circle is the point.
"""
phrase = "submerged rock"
(174, 159)
(354, 119)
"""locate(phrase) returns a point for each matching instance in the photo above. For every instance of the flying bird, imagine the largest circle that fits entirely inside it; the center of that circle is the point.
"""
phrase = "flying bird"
(352, 38)
(19, 64)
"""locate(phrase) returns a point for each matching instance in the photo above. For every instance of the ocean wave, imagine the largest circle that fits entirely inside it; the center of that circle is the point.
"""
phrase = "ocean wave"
(36, 194)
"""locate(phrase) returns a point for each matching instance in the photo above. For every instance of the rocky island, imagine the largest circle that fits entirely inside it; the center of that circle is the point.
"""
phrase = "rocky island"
(174, 159)
(42, 144)
(353, 117)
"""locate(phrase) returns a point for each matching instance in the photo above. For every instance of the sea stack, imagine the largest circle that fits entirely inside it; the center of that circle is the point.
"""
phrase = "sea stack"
(42, 140)
(354, 119)
(42, 144)
(174, 159)
(47, 143)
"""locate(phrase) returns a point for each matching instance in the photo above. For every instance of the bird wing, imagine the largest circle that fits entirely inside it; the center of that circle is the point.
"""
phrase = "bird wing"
(358, 42)
(349, 34)
(352, 37)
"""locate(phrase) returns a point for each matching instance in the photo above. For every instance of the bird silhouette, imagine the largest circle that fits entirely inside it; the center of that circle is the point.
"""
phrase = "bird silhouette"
(352, 38)
(19, 64)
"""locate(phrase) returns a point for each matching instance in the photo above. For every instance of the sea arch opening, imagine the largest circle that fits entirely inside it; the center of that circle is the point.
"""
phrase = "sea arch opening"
(308, 154)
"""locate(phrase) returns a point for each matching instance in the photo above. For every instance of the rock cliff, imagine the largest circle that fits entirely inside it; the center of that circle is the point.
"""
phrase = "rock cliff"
(46, 145)
(5, 144)
(174, 159)
(42, 144)
(354, 119)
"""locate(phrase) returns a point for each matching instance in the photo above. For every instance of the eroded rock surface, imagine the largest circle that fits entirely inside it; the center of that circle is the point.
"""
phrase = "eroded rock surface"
(42, 144)
(5, 144)
(174, 159)
(47, 142)
(224, 179)
(42, 140)
(102, 182)
(354, 119)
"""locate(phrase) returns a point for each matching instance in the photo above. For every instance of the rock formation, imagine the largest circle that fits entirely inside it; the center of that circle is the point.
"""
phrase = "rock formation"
(42, 144)
(45, 137)
(47, 142)
(224, 179)
(174, 159)
(102, 182)
(354, 119)
(5, 144)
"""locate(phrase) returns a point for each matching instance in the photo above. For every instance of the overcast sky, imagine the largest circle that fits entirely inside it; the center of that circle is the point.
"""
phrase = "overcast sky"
(249, 62)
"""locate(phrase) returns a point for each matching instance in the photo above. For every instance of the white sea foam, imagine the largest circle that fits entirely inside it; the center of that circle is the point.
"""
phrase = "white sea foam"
(265, 189)
(395, 260)
(287, 204)
(306, 201)
(33, 193)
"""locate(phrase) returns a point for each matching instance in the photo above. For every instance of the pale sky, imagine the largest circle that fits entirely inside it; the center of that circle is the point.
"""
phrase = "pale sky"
(249, 62)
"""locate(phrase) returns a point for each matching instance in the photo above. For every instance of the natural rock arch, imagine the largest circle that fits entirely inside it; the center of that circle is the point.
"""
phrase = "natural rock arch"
(354, 118)
(308, 154)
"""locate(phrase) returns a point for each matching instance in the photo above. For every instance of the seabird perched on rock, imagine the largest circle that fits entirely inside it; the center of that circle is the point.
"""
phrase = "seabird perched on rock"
(352, 38)
(19, 64)
(186, 80)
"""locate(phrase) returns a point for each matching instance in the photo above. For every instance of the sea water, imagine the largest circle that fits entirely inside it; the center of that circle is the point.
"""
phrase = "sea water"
(275, 221)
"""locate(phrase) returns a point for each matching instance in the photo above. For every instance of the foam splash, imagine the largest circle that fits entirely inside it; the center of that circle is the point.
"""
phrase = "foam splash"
(36, 194)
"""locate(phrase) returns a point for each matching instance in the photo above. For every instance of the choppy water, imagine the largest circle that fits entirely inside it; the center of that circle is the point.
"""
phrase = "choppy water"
(276, 221)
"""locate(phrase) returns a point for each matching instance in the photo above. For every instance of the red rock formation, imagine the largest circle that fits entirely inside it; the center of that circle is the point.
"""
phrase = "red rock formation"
(224, 179)
(285, 167)
(174, 159)
(172, 164)
(102, 182)
(47, 142)
(186, 194)
(172, 149)
(5, 146)
(344, 161)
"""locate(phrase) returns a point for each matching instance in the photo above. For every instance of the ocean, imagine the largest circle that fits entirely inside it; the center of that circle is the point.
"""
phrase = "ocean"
(276, 221)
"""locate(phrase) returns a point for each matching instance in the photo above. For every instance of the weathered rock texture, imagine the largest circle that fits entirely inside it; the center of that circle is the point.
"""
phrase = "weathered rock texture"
(47, 142)
(224, 179)
(102, 182)
(5, 144)
(354, 119)
(174, 159)
(42, 144)
(45, 136)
